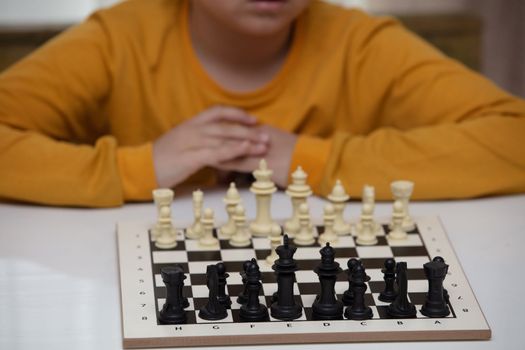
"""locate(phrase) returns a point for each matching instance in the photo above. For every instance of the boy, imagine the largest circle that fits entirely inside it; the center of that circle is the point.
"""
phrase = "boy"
(172, 92)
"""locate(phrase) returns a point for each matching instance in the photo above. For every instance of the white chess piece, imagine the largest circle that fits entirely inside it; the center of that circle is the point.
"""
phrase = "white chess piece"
(328, 236)
(195, 231)
(305, 235)
(402, 190)
(275, 241)
(397, 232)
(366, 236)
(231, 200)
(167, 237)
(298, 191)
(263, 188)
(161, 197)
(338, 198)
(241, 237)
(207, 239)
(369, 198)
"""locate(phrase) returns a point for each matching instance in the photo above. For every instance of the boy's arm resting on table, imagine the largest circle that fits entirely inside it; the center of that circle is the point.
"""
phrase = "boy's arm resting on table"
(52, 144)
(431, 121)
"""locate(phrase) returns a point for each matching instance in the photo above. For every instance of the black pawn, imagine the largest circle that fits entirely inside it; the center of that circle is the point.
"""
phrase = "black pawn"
(348, 295)
(326, 306)
(389, 275)
(253, 310)
(243, 298)
(359, 310)
(173, 309)
(213, 310)
(285, 307)
(435, 303)
(445, 292)
(402, 307)
(224, 299)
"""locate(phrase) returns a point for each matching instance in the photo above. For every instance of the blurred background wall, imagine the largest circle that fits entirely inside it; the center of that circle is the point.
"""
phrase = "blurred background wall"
(487, 35)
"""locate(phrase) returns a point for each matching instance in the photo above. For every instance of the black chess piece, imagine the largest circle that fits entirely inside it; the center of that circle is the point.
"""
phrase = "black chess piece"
(243, 296)
(326, 306)
(285, 307)
(445, 292)
(213, 310)
(224, 298)
(358, 310)
(273, 298)
(253, 310)
(389, 275)
(173, 309)
(185, 302)
(348, 295)
(401, 307)
(435, 304)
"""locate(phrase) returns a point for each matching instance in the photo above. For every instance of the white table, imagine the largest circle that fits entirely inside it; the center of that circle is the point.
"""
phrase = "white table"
(59, 285)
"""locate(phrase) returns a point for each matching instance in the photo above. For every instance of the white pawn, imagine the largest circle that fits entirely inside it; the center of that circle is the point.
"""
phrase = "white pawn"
(402, 190)
(275, 241)
(195, 231)
(328, 236)
(366, 235)
(338, 198)
(298, 191)
(231, 200)
(241, 237)
(207, 239)
(262, 188)
(167, 236)
(369, 197)
(397, 232)
(305, 235)
(162, 197)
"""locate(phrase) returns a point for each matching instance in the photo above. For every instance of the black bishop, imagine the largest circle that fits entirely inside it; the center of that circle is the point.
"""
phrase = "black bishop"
(253, 310)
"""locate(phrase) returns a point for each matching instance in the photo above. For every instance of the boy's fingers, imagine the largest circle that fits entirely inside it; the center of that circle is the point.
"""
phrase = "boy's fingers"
(235, 131)
(243, 165)
(254, 148)
(228, 114)
(226, 151)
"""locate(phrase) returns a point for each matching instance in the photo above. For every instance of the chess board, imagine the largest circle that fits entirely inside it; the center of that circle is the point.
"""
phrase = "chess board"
(143, 292)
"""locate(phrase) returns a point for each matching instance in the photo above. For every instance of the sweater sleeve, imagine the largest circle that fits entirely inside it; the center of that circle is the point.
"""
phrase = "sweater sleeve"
(53, 148)
(428, 119)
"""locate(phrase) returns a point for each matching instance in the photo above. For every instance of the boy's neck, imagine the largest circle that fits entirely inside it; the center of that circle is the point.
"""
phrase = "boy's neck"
(236, 61)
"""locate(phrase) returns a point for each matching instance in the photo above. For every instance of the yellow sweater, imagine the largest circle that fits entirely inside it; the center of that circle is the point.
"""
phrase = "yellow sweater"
(371, 101)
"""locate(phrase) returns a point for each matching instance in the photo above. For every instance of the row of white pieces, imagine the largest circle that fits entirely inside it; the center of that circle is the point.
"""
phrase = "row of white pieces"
(305, 235)
(263, 225)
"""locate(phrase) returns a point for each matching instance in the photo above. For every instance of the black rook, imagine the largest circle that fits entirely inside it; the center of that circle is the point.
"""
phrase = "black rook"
(435, 304)
(173, 309)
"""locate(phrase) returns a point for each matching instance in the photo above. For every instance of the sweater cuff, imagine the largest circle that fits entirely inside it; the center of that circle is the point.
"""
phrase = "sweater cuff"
(311, 153)
(137, 172)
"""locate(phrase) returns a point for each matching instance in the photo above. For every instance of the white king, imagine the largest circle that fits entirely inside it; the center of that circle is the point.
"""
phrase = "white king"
(263, 188)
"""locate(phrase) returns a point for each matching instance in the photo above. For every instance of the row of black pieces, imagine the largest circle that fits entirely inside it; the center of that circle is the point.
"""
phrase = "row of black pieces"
(326, 306)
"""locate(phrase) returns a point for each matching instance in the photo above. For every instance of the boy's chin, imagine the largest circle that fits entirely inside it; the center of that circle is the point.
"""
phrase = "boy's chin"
(263, 26)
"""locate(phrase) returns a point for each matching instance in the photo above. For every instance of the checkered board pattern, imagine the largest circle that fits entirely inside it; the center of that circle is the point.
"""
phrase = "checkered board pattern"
(143, 292)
